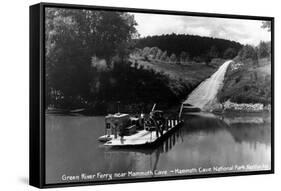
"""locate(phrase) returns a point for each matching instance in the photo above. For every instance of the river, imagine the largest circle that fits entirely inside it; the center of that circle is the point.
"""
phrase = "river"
(203, 142)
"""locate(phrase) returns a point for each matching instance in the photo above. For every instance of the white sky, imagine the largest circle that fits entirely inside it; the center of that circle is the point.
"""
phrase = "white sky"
(240, 30)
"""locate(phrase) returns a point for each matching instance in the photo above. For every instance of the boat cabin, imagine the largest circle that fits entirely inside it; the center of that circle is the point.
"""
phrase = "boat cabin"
(119, 124)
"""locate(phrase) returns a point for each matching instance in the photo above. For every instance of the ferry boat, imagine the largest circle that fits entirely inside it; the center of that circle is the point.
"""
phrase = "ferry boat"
(123, 130)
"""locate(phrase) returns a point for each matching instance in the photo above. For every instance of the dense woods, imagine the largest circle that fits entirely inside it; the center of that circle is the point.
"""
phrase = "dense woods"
(80, 45)
(196, 47)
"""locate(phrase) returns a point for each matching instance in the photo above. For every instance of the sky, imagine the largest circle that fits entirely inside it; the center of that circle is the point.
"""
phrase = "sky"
(240, 30)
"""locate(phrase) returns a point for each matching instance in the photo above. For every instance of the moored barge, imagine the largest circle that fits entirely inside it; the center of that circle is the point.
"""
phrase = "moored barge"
(123, 130)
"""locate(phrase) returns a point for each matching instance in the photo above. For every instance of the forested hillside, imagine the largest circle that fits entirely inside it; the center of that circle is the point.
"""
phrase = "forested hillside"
(194, 46)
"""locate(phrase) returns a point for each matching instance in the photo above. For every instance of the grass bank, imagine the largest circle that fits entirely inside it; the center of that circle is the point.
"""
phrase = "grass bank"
(247, 87)
(186, 75)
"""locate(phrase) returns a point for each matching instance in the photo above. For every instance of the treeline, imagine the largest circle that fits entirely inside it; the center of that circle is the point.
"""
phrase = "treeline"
(251, 54)
(179, 46)
(155, 53)
(136, 88)
(79, 45)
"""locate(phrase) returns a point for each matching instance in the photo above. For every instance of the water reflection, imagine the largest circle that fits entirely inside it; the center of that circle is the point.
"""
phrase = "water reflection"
(203, 141)
(153, 152)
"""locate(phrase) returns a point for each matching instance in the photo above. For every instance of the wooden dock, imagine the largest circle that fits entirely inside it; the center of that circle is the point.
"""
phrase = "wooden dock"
(143, 137)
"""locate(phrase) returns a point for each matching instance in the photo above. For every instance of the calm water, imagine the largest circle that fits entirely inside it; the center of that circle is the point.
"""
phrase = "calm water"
(202, 143)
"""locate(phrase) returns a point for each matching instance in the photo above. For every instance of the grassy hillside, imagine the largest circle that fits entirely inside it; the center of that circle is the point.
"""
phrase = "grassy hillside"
(183, 77)
(245, 83)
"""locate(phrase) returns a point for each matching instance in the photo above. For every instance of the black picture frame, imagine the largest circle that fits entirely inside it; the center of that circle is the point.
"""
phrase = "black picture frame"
(37, 94)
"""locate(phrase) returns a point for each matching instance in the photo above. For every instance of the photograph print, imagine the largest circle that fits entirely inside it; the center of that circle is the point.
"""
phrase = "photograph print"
(142, 95)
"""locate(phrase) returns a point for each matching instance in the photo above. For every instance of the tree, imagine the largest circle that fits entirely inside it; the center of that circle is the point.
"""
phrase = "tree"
(263, 50)
(158, 54)
(167, 59)
(266, 25)
(164, 56)
(73, 37)
(145, 51)
(173, 58)
(153, 51)
(249, 52)
(184, 56)
(229, 53)
(213, 53)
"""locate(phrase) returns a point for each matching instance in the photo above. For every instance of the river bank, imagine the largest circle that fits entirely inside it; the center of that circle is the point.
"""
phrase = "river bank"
(246, 87)
(229, 106)
(246, 83)
(150, 82)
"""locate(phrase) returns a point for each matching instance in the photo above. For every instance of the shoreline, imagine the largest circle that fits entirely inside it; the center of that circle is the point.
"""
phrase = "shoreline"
(229, 106)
